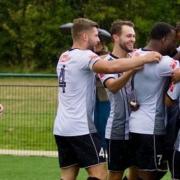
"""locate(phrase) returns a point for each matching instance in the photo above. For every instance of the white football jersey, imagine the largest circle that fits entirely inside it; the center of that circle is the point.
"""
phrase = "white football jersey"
(117, 127)
(149, 87)
(76, 96)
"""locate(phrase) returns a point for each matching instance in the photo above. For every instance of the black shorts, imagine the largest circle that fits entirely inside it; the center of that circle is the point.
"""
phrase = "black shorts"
(175, 171)
(172, 127)
(83, 151)
(147, 152)
(118, 154)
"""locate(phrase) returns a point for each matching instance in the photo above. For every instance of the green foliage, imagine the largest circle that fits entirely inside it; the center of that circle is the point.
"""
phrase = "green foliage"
(29, 29)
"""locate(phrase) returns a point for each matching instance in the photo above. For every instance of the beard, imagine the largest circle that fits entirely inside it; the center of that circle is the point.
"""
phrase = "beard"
(91, 46)
(125, 48)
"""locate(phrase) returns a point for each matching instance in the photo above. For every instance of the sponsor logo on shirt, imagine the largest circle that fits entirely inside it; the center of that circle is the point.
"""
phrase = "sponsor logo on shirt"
(173, 64)
(64, 58)
(100, 75)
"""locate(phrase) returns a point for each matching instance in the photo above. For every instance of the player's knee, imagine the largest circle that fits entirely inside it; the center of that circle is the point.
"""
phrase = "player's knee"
(93, 178)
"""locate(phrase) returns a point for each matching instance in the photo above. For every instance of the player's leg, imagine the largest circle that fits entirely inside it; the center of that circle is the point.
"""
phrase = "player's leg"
(132, 173)
(91, 155)
(175, 172)
(93, 178)
(118, 158)
(146, 175)
(151, 156)
(134, 148)
(69, 173)
(68, 162)
(97, 171)
(115, 175)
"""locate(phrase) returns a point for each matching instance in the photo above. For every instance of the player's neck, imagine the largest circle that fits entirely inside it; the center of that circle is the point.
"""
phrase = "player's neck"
(119, 52)
(153, 46)
(78, 45)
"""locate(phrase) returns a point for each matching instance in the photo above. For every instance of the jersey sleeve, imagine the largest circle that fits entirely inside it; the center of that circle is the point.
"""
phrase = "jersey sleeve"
(104, 77)
(89, 58)
(166, 66)
(174, 91)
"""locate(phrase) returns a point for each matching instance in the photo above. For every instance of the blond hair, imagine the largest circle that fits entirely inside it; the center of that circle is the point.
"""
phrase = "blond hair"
(81, 25)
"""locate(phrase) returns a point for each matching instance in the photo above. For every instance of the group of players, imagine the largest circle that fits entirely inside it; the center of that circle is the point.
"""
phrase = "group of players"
(136, 82)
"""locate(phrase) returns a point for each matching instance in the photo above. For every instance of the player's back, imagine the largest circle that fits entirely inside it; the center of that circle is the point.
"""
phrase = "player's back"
(149, 86)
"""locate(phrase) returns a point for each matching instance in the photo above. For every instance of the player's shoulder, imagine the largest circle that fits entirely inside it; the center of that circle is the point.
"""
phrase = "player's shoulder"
(109, 57)
(137, 52)
(166, 58)
(64, 57)
(87, 53)
(170, 61)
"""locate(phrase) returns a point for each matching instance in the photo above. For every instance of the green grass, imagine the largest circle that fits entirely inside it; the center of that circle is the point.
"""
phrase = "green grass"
(35, 168)
(31, 168)
(27, 124)
(29, 114)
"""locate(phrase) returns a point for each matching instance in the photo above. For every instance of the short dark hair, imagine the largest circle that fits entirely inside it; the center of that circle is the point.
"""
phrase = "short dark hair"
(116, 26)
(80, 25)
(160, 30)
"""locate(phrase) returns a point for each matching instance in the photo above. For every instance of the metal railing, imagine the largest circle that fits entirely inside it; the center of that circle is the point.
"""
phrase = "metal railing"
(30, 102)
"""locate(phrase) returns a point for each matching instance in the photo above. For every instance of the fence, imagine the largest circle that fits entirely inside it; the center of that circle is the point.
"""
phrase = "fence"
(26, 124)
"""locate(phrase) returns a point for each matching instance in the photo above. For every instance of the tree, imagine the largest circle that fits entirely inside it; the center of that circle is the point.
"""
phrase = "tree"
(30, 38)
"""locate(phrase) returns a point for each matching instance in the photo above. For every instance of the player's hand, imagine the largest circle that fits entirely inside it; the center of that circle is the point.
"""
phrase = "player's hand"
(134, 106)
(152, 57)
(176, 75)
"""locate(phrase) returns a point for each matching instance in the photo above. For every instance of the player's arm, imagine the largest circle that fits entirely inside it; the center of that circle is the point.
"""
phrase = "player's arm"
(169, 101)
(115, 85)
(166, 67)
(172, 94)
(176, 75)
(125, 64)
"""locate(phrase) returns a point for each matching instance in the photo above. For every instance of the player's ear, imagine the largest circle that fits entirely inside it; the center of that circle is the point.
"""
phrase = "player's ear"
(84, 36)
(163, 40)
(115, 37)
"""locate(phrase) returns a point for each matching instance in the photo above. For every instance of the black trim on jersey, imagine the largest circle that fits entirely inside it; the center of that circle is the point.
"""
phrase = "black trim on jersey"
(95, 62)
(112, 55)
(106, 80)
(71, 49)
(128, 107)
(174, 100)
(144, 49)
